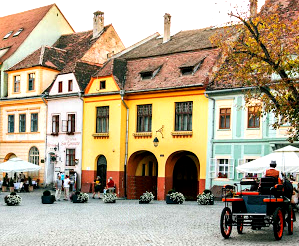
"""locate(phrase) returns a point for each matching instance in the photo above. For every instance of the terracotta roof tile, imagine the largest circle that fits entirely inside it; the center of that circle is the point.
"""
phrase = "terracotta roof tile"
(27, 20)
(45, 56)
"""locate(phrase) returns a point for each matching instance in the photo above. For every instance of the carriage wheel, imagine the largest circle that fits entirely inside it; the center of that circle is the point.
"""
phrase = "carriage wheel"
(226, 222)
(278, 224)
(290, 220)
(240, 226)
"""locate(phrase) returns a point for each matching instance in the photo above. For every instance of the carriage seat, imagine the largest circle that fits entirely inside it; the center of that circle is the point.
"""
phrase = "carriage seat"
(270, 182)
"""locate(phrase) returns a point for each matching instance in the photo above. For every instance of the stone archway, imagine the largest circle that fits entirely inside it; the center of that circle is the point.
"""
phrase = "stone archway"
(142, 173)
(182, 172)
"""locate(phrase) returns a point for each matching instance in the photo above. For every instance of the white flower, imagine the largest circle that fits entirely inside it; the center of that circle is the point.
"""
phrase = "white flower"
(83, 197)
(178, 197)
(13, 199)
(147, 197)
(109, 197)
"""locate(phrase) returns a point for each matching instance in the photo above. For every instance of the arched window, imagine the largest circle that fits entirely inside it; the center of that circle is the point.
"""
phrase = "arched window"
(34, 155)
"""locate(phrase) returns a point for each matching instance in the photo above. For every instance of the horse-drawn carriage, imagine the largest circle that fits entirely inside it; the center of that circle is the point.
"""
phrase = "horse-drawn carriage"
(267, 206)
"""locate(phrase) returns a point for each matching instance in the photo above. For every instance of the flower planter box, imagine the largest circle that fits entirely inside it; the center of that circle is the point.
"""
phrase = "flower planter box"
(169, 201)
(48, 199)
(111, 201)
(75, 199)
(11, 204)
(144, 202)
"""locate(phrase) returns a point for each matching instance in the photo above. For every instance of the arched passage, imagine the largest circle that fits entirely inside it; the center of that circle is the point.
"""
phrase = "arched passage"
(102, 169)
(9, 156)
(142, 173)
(182, 172)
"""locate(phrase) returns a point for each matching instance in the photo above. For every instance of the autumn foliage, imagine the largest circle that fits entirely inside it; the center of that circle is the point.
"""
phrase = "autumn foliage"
(261, 55)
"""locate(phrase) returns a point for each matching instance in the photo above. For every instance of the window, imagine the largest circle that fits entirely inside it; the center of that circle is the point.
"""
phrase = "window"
(34, 155)
(11, 123)
(224, 118)
(70, 85)
(31, 81)
(146, 75)
(22, 123)
(144, 118)
(253, 117)
(55, 124)
(59, 86)
(250, 174)
(183, 116)
(16, 87)
(7, 35)
(71, 125)
(34, 122)
(70, 157)
(18, 32)
(187, 70)
(102, 84)
(102, 124)
(222, 168)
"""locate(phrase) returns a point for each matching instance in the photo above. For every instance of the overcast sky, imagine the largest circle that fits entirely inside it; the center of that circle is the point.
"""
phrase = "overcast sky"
(135, 20)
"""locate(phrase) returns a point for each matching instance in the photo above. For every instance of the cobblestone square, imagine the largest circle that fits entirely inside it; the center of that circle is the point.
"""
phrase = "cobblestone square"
(124, 223)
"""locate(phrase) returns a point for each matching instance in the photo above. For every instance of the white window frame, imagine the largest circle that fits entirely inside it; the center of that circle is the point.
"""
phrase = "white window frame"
(214, 168)
(243, 161)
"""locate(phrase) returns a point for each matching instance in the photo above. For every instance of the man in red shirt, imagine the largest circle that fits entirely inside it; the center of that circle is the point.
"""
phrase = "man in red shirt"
(110, 185)
(272, 172)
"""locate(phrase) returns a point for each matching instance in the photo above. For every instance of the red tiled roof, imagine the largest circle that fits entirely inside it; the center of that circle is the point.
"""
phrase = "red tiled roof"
(287, 8)
(45, 56)
(27, 20)
(170, 75)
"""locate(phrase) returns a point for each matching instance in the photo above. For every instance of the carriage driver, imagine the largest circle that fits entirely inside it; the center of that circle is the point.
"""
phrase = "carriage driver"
(272, 172)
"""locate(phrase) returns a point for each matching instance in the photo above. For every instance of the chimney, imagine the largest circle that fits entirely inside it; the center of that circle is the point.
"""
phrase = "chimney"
(98, 23)
(253, 8)
(167, 22)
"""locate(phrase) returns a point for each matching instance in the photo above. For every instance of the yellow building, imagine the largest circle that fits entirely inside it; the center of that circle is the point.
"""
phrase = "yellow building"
(145, 117)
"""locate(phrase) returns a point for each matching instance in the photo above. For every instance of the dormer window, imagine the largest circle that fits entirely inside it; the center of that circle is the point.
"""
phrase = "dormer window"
(102, 84)
(18, 32)
(190, 68)
(7, 35)
(150, 72)
(59, 86)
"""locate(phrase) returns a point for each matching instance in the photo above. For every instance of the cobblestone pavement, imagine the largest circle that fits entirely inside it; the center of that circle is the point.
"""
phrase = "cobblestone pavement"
(124, 223)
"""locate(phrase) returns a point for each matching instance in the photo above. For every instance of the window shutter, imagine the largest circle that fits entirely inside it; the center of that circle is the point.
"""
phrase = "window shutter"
(240, 175)
(231, 169)
(213, 166)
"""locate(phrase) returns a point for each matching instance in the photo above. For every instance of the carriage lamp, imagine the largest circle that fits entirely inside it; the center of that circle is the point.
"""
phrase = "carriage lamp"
(156, 142)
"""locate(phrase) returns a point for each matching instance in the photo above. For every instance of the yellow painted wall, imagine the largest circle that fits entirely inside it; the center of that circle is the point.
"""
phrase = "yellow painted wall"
(43, 78)
(163, 113)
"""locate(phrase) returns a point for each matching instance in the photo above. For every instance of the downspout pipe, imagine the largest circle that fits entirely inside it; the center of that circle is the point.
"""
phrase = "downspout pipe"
(80, 93)
(213, 131)
(46, 159)
(122, 93)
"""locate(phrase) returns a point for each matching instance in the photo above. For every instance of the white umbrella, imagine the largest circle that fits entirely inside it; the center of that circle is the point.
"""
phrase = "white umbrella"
(287, 160)
(18, 165)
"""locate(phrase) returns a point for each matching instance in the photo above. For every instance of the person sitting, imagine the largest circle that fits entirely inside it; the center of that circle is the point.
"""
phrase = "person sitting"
(110, 185)
(272, 172)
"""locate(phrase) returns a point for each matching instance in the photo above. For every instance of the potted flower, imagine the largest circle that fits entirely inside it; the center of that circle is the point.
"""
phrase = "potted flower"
(174, 197)
(11, 185)
(146, 197)
(47, 198)
(206, 198)
(109, 197)
(79, 197)
(30, 183)
(12, 199)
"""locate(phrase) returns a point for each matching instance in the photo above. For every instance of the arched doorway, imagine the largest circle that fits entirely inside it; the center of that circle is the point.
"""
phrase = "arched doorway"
(9, 156)
(102, 169)
(185, 177)
(142, 173)
(182, 172)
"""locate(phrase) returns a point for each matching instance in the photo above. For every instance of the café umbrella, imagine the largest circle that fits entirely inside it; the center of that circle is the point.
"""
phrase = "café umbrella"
(287, 160)
(18, 165)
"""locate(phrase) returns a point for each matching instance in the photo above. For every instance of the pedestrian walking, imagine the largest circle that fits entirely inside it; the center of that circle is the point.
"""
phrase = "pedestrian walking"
(97, 187)
(58, 186)
(66, 186)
